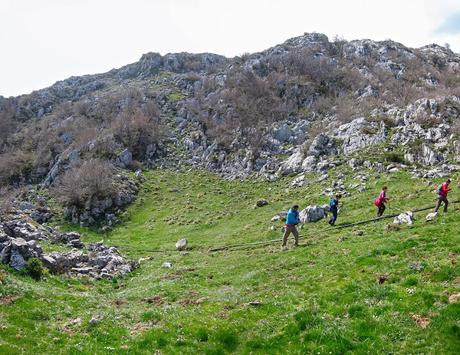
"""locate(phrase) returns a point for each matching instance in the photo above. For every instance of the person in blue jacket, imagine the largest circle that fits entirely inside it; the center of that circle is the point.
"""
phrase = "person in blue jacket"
(292, 220)
(334, 205)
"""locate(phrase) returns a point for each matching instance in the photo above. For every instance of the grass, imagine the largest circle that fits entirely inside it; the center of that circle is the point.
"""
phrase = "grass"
(320, 298)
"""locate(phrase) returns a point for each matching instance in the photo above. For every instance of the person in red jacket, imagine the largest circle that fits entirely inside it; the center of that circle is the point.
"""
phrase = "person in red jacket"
(443, 190)
(380, 201)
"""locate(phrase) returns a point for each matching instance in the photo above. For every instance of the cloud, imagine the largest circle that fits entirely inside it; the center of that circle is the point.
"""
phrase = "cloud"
(451, 24)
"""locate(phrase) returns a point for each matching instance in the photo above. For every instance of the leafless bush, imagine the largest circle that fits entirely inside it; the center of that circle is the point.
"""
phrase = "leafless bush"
(93, 178)
(323, 105)
(14, 166)
(7, 122)
(246, 106)
(136, 130)
(6, 199)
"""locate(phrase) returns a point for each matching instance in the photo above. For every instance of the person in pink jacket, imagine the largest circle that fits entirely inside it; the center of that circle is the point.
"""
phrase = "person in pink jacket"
(380, 201)
(443, 190)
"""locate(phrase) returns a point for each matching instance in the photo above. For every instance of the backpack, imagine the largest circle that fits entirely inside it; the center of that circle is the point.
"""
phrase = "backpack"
(333, 202)
(439, 189)
(378, 201)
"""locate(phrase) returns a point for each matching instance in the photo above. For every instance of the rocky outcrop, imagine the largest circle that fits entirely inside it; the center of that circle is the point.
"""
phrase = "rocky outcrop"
(359, 134)
(103, 211)
(19, 239)
(425, 156)
(323, 145)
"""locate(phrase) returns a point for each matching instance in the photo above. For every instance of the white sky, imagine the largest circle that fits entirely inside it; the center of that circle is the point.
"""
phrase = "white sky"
(42, 41)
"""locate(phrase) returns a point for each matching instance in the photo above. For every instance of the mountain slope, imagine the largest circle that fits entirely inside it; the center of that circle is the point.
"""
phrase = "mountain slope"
(366, 289)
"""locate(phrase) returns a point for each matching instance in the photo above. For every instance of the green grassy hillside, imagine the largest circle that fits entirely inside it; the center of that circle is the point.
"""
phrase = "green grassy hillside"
(323, 297)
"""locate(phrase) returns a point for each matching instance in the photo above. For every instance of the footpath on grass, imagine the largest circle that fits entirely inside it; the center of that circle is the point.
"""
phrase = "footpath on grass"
(240, 246)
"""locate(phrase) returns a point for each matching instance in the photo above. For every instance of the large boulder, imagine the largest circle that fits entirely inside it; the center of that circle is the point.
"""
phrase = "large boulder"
(282, 133)
(124, 159)
(293, 164)
(313, 213)
(16, 251)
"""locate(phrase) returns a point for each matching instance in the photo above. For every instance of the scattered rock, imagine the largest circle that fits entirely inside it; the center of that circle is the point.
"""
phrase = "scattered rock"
(416, 266)
(181, 244)
(262, 202)
(299, 181)
(255, 303)
(404, 218)
(167, 265)
(93, 321)
(431, 216)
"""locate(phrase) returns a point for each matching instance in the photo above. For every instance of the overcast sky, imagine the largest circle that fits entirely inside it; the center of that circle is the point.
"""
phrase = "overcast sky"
(42, 41)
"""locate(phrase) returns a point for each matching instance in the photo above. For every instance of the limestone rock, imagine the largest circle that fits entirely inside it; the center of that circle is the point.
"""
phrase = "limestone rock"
(181, 244)
(313, 213)
(404, 218)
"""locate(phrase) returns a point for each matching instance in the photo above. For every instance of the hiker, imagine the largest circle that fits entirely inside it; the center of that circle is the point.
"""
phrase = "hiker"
(380, 201)
(334, 205)
(443, 190)
(292, 219)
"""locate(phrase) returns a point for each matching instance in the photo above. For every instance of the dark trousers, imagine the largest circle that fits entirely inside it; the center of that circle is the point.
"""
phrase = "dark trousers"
(442, 199)
(334, 216)
(381, 210)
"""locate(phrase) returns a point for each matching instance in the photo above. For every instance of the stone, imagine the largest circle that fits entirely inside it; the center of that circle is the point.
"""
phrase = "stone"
(359, 134)
(431, 216)
(262, 202)
(282, 133)
(181, 244)
(322, 145)
(299, 181)
(124, 159)
(17, 260)
(82, 270)
(292, 164)
(167, 265)
(49, 262)
(404, 218)
(313, 213)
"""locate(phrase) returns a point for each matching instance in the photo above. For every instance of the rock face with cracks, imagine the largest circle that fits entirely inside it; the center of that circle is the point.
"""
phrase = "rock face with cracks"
(19, 237)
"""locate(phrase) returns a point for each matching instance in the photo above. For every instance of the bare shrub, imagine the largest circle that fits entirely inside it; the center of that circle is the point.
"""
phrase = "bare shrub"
(6, 199)
(14, 166)
(7, 122)
(93, 178)
(136, 130)
(246, 106)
